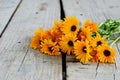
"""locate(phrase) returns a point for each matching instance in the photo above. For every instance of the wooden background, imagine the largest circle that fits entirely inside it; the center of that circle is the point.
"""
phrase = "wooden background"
(19, 19)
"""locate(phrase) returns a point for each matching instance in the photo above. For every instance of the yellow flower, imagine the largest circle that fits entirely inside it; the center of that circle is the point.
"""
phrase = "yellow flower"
(49, 47)
(56, 31)
(67, 43)
(93, 26)
(82, 50)
(56, 35)
(39, 32)
(106, 54)
(47, 34)
(57, 25)
(70, 25)
(93, 53)
(36, 42)
(97, 41)
(84, 33)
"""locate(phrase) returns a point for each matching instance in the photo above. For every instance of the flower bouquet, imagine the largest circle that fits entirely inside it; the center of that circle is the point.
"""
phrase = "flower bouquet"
(84, 41)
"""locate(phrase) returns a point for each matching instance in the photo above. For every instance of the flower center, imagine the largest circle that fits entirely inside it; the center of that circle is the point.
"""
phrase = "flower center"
(39, 41)
(73, 28)
(99, 43)
(93, 53)
(70, 43)
(107, 53)
(50, 49)
(84, 49)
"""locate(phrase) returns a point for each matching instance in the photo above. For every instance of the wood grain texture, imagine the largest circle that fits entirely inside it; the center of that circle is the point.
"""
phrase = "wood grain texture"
(97, 11)
(17, 60)
(117, 71)
(7, 8)
(78, 71)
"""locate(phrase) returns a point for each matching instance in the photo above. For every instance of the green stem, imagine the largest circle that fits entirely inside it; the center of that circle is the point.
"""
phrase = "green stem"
(116, 33)
(114, 41)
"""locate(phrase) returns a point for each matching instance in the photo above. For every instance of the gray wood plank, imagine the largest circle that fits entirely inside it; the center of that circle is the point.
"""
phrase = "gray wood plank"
(117, 72)
(98, 11)
(17, 60)
(7, 8)
(83, 9)
(78, 71)
(105, 72)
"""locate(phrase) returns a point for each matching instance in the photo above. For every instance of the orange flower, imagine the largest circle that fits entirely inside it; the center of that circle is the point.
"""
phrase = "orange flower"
(70, 25)
(57, 25)
(47, 34)
(106, 54)
(93, 53)
(36, 42)
(39, 32)
(84, 33)
(82, 51)
(50, 48)
(56, 31)
(56, 35)
(67, 43)
(97, 41)
(93, 26)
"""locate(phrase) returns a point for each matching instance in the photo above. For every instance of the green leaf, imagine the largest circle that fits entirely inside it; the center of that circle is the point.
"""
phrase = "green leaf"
(110, 28)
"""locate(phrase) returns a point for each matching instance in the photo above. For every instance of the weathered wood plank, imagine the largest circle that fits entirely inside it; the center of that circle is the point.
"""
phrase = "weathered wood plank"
(7, 9)
(105, 71)
(78, 71)
(109, 8)
(83, 9)
(117, 72)
(17, 60)
(98, 11)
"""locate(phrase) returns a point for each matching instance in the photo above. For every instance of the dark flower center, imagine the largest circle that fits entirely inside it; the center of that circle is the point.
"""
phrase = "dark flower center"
(50, 49)
(73, 28)
(99, 43)
(84, 49)
(107, 53)
(70, 43)
(39, 41)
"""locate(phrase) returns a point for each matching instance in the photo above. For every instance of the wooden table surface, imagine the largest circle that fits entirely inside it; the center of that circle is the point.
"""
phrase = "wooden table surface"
(19, 19)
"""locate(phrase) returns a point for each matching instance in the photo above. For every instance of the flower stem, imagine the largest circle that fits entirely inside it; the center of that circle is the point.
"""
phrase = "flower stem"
(114, 41)
(116, 33)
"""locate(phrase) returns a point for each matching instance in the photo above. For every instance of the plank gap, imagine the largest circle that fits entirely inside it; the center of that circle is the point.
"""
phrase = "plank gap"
(10, 18)
(64, 66)
(62, 16)
(96, 70)
(23, 59)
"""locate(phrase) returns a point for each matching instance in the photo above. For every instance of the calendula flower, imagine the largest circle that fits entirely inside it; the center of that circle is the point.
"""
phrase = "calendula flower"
(93, 53)
(39, 32)
(47, 34)
(82, 51)
(93, 26)
(67, 43)
(36, 42)
(49, 47)
(70, 25)
(106, 54)
(57, 25)
(56, 35)
(56, 31)
(97, 41)
(84, 33)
